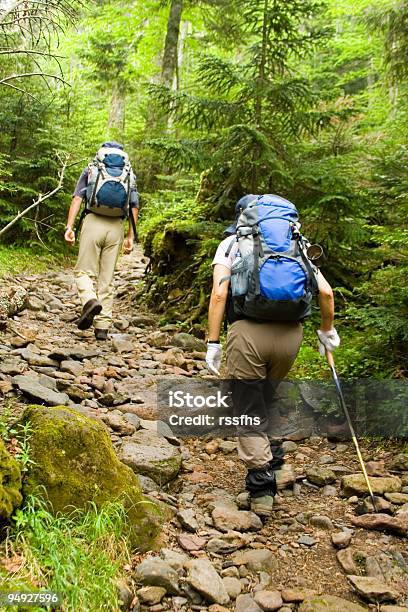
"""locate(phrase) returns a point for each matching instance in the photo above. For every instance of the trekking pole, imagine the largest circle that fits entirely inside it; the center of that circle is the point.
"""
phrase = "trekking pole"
(330, 361)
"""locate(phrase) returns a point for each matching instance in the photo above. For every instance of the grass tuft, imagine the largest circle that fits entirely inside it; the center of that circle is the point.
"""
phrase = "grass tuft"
(79, 555)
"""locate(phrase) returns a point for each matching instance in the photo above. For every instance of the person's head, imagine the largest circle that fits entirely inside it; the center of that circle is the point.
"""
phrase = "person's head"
(112, 144)
(239, 207)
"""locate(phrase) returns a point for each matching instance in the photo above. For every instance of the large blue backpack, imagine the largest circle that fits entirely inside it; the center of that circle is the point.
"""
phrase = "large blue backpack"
(271, 277)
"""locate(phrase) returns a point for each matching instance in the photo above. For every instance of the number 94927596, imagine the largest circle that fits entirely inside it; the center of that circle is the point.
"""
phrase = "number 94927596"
(30, 598)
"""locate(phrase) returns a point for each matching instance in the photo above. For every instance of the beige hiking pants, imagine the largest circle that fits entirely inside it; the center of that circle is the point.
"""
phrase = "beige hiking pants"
(260, 351)
(99, 248)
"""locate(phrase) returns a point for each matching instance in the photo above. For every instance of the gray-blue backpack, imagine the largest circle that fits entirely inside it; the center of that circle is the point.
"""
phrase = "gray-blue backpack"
(272, 278)
(110, 182)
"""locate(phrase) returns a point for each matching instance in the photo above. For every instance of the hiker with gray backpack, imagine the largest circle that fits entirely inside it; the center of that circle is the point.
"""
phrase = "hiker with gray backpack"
(108, 187)
(264, 281)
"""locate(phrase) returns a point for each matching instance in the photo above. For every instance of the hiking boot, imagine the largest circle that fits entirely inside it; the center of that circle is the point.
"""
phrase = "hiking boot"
(262, 506)
(89, 311)
(101, 334)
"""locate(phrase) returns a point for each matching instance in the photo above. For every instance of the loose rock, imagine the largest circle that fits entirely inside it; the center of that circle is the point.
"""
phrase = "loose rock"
(156, 572)
(397, 525)
(346, 560)
(329, 603)
(269, 600)
(245, 603)
(226, 519)
(261, 559)
(203, 578)
(37, 392)
(320, 476)
(233, 586)
(151, 455)
(341, 539)
(322, 522)
(296, 595)
(355, 484)
(188, 520)
(151, 595)
(372, 589)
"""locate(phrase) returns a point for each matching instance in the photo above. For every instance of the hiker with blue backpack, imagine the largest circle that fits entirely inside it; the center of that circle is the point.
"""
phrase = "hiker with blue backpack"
(108, 186)
(264, 281)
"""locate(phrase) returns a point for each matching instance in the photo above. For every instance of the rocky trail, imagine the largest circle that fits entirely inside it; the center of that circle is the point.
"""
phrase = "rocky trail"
(322, 550)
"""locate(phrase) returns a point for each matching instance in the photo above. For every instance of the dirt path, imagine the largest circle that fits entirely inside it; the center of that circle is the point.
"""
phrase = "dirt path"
(44, 357)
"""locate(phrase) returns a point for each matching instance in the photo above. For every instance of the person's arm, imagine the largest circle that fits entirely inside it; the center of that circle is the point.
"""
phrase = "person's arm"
(134, 203)
(326, 303)
(79, 193)
(72, 214)
(128, 243)
(216, 313)
(218, 301)
(328, 336)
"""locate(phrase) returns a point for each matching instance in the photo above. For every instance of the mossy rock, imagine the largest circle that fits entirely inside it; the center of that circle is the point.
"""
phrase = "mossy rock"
(75, 462)
(329, 603)
(10, 483)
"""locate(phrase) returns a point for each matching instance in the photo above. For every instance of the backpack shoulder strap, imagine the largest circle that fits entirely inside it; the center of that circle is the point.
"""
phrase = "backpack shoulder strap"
(310, 272)
(228, 251)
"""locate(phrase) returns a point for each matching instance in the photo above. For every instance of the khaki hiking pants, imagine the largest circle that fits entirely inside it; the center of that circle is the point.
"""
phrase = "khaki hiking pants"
(256, 352)
(99, 248)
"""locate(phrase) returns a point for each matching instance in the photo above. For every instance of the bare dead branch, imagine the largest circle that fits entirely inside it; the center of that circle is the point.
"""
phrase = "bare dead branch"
(24, 91)
(29, 52)
(30, 74)
(41, 198)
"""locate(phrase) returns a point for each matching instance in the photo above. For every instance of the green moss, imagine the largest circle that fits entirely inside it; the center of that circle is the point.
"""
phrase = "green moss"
(10, 483)
(75, 464)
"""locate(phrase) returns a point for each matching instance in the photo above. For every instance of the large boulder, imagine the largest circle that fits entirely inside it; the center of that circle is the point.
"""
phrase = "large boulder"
(75, 462)
(10, 483)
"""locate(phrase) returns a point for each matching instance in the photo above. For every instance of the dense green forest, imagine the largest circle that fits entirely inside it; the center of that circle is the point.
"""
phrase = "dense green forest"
(214, 99)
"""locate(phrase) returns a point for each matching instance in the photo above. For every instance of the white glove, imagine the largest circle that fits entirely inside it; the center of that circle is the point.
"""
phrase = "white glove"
(213, 358)
(328, 341)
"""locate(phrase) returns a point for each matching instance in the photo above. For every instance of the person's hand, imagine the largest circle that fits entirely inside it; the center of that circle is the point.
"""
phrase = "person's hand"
(328, 341)
(128, 246)
(213, 357)
(69, 236)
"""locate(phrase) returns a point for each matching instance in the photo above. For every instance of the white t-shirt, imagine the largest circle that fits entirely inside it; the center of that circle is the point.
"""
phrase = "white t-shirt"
(220, 257)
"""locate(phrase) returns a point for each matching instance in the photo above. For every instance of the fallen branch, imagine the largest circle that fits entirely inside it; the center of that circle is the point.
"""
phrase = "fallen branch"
(41, 198)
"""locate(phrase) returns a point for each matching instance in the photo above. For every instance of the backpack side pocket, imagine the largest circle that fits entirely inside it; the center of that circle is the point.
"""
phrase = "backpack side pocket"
(240, 273)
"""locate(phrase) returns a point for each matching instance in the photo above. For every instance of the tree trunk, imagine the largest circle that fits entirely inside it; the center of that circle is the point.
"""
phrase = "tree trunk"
(170, 55)
(117, 110)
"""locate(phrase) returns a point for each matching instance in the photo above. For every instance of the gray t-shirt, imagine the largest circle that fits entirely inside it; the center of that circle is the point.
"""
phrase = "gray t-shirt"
(80, 189)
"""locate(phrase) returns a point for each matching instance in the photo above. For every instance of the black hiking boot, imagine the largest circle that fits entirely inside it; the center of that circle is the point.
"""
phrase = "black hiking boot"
(261, 484)
(89, 311)
(101, 334)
